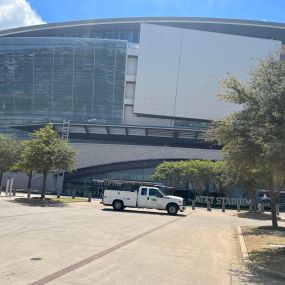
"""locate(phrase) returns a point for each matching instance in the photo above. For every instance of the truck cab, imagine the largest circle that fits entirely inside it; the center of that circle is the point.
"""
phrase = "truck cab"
(149, 197)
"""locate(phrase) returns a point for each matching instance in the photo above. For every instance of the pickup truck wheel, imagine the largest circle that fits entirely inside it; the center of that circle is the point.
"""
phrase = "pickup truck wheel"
(172, 209)
(118, 205)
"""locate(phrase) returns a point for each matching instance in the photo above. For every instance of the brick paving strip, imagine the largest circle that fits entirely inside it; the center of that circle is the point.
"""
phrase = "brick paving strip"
(98, 255)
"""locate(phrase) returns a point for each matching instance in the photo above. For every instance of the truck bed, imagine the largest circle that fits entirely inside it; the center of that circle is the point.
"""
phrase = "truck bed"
(128, 197)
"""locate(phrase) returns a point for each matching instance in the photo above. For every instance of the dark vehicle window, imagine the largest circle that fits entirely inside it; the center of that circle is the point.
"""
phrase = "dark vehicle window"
(143, 192)
(154, 192)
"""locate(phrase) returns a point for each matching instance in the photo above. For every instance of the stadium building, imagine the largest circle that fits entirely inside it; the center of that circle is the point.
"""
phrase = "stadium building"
(129, 93)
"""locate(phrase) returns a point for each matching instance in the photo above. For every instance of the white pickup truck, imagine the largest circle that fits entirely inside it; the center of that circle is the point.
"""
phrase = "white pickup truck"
(144, 197)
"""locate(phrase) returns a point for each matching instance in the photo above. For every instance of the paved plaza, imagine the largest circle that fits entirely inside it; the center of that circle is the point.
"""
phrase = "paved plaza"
(87, 243)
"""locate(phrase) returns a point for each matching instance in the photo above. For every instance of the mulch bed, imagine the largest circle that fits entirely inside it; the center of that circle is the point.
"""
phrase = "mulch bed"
(266, 246)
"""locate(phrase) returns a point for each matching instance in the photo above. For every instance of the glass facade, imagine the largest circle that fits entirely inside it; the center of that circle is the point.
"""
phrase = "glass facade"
(132, 36)
(141, 174)
(51, 79)
(188, 123)
(83, 185)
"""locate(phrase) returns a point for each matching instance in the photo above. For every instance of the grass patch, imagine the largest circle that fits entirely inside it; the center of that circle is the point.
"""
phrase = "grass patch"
(266, 247)
(68, 199)
(47, 202)
(38, 202)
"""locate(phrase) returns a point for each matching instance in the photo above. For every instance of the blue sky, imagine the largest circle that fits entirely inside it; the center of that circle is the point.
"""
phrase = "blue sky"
(17, 13)
(65, 10)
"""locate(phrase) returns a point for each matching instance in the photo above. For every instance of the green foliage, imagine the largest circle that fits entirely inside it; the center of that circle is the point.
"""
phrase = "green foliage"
(46, 153)
(169, 172)
(254, 137)
(9, 152)
(24, 162)
(197, 172)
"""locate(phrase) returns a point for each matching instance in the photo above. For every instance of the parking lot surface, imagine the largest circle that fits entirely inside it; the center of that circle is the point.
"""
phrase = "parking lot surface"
(87, 243)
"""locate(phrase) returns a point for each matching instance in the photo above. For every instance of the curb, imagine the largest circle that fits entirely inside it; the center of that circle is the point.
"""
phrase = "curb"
(254, 267)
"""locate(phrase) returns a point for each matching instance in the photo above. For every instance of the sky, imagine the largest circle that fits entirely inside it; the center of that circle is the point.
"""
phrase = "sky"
(16, 13)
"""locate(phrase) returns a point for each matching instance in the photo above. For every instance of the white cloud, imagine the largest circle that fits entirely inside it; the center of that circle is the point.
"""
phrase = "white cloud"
(17, 13)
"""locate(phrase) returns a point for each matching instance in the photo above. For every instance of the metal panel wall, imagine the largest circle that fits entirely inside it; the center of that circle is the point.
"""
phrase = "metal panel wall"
(179, 70)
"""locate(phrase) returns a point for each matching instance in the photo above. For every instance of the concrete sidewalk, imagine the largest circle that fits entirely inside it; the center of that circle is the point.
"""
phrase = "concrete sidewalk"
(199, 248)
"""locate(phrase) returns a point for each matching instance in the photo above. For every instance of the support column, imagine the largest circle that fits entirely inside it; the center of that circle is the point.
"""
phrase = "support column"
(7, 186)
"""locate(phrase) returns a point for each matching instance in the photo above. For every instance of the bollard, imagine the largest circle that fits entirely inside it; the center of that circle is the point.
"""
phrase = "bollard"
(58, 193)
(7, 186)
(238, 205)
(14, 192)
(260, 208)
(11, 186)
(250, 208)
(223, 206)
(73, 194)
(193, 204)
(89, 197)
(208, 206)
(277, 209)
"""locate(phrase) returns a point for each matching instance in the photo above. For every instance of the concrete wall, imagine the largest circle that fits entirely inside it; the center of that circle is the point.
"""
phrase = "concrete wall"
(90, 154)
(21, 181)
(100, 154)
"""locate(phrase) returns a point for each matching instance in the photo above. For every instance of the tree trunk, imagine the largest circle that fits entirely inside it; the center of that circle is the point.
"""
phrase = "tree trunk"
(44, 185)
(1, 175)
(273, 197)
(253, 199)
(29, 187)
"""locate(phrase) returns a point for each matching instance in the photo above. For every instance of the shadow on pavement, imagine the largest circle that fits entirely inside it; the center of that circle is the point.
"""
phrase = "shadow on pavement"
(257, 216)
(272, 258)
(38, 202)
(268, 230)
(248, 277)
(142, 212)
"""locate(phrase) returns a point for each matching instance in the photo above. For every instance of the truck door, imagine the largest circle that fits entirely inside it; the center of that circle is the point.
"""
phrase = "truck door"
(142, 197)
(155, 199)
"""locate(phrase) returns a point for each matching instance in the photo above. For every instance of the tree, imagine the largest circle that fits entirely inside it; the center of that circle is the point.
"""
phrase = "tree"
(255, 135)
(197, 172)
(25, 163)
(242, 175)
(170, 173)
(219, 177)
(9, 151)
(201, 173)
(47, 152)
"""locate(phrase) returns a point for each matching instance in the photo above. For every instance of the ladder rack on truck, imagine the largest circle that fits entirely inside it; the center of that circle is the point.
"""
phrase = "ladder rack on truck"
(129, 185)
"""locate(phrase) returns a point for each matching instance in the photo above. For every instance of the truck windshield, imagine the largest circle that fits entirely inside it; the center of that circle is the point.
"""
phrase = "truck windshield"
(162, 191)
